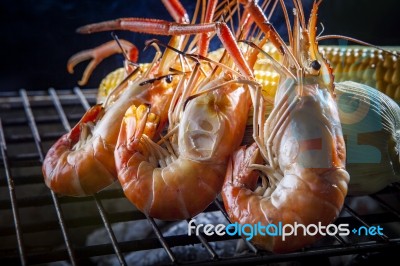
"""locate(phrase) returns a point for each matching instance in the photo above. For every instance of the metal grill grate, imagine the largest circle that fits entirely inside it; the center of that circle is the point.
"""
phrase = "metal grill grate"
(37, 226)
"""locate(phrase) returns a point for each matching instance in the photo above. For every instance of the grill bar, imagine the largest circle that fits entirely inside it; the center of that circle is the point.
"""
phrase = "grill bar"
(99, 206)
(44, 200)
(341, 240)
(261, 259)
(75, 223)
(36, 136)
(13, 197)
(386, 206)
(203, 241)
(82, 98)
(41, 120)
(359, 219)
(161, 239)
(60, 111)
(110, 232)
(248, 244)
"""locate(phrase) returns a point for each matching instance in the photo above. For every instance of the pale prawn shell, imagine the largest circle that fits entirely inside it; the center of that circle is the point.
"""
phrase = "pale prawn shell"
(312, 138)
(304, 150)
(370, 122)
(311, 155)
(209, 126)
(314, 181)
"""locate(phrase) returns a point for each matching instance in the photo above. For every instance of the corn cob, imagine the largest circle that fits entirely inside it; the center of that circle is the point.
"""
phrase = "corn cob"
(112, 80)
(368, 66)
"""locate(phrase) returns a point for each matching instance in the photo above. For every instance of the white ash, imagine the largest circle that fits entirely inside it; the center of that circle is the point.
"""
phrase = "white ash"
(136, 230)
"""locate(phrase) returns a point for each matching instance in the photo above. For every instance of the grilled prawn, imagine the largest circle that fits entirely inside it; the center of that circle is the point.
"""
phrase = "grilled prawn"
(205, 128)
(301, 142)
(82, 161)
(162, 181)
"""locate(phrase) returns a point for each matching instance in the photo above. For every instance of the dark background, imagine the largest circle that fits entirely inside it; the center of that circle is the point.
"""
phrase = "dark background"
(38, 37)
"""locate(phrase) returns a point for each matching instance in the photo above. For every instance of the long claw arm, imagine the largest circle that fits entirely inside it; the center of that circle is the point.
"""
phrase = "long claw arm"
(205, 38)
(263, 23)
(162, 27)
(149, 26)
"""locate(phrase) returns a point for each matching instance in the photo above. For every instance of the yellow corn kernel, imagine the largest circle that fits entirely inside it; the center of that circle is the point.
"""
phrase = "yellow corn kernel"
(368, 66)
(109, 83)
(113, 79)
(396, 73)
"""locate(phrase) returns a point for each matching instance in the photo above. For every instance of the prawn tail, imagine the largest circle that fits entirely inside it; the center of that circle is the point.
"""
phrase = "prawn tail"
(80, 172)
(240, 166)
(239, 177)
(57, 164)
(172, 183)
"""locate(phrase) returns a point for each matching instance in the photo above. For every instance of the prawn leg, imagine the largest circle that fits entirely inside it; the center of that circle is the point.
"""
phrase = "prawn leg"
(257, 15)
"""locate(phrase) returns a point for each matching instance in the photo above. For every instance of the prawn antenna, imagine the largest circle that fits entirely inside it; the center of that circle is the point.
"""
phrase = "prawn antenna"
(155, 41)
(195, 57)
(322, 30)
(347, 38)
(275, 64)
(115, 37)
(118, 89)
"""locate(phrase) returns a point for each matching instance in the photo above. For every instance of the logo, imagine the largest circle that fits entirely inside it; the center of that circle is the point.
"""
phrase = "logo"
(280, 230)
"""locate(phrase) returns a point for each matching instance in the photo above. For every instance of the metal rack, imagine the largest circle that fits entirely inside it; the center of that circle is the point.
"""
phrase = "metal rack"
(37, 226)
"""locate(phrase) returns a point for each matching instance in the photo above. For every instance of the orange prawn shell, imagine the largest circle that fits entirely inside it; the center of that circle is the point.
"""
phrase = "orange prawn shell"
(90, 174)
(187, 185)
(322, 194)
(203, 184)
(83, 171)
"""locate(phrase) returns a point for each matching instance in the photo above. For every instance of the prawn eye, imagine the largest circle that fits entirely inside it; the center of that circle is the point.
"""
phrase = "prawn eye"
(315, 65)
(168, 78)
